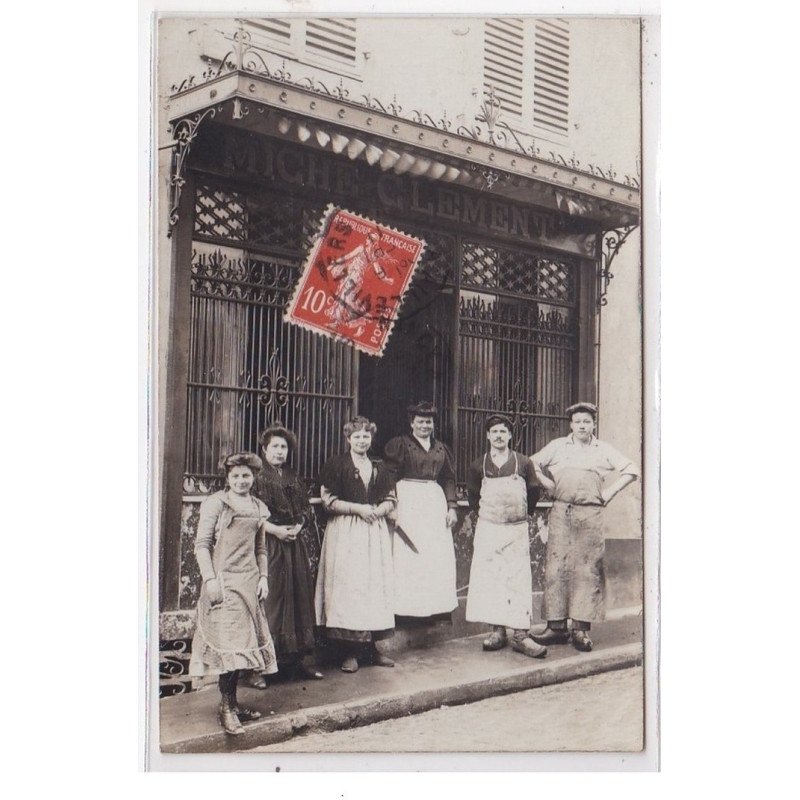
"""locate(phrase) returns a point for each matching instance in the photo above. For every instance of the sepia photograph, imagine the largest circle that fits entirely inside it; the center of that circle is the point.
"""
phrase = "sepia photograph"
(398, 465)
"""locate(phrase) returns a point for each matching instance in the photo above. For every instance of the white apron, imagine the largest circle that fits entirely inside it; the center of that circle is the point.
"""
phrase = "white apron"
(500, 583)
(424, 582)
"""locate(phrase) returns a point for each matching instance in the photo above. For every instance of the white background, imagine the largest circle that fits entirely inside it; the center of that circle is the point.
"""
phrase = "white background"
(74, 323)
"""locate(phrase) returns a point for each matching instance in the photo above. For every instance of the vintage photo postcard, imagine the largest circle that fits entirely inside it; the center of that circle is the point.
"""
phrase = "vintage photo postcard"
(398, 384)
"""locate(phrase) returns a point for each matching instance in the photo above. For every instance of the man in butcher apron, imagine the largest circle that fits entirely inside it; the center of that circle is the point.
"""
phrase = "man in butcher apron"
(501, 485)
(572, 470)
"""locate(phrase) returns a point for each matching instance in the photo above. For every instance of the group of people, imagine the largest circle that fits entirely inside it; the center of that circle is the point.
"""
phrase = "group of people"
(388, 550)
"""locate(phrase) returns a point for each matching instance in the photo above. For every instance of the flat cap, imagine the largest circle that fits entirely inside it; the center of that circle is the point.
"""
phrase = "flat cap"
(498, 419)
(590, 408)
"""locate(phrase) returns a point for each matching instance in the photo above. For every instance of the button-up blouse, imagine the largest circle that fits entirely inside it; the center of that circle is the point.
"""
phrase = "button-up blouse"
(407, 458)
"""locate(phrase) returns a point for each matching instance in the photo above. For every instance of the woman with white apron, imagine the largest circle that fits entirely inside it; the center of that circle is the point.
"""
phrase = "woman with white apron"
(502, 486)
(422, 549)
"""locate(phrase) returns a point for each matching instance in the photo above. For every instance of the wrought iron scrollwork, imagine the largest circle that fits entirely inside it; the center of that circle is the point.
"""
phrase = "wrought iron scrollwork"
(173, 667)
(492, 130)
(612, 242)
(184, 132)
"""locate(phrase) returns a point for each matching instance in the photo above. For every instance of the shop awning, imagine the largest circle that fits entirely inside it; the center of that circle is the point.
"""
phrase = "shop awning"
(490, 159)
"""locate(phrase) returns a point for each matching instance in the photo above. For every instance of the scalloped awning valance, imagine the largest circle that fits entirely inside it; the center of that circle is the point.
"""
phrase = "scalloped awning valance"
(315, 118)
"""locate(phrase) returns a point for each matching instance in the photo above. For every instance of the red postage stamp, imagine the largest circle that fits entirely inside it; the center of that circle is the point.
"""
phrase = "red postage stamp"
(354, 280)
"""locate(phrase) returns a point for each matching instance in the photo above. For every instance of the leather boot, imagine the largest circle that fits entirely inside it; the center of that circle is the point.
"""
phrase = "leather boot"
(227, 716)
(379, 659)
(497, 639)
(551, 636)
(244, 714)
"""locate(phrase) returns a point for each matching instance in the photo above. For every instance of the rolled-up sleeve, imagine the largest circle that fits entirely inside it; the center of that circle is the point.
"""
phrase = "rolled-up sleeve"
(544, 457)
(619, 462)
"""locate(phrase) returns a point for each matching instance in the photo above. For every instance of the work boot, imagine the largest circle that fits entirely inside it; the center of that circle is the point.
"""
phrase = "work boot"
(581, 641)
(497, 639)
(551, 636)
(254, 679)
(521, 642)
(244, 714)
(378, 659)
(227, 716)
(299, 670)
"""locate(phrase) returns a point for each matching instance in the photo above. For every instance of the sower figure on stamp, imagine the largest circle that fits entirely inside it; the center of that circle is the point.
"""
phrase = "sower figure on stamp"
(349, 271)
(572, 469)
(423, 552)
(502, 487)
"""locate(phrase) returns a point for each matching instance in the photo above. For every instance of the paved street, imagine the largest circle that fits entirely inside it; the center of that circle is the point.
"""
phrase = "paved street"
(602, 712)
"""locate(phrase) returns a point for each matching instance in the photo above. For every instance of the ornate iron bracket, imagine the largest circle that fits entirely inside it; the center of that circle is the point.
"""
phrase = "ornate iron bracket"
(183, 132)
(612, 242)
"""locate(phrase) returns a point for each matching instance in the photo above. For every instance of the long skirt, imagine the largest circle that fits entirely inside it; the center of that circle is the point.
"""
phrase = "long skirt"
(425, 581)
(234, 634)
(353, 600)
(290, 603)
(500, 583)
(574, 572)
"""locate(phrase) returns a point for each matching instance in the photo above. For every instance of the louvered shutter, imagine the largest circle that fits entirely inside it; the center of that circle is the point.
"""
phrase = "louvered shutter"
(503, 47)
(551, 75)
(332, 37)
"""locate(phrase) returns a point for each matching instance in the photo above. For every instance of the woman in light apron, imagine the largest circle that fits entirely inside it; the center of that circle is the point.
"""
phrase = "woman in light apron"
(422, 549)
(572, 470)
(502, 487)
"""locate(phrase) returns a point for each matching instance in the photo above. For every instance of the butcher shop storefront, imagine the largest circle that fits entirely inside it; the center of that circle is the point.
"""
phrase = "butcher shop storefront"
(500, 316)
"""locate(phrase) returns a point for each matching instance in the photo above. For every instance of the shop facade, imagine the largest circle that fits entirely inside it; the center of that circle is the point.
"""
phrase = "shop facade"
(501, 315)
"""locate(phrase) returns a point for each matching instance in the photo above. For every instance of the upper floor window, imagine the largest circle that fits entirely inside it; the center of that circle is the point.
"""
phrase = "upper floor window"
(326, 42)
(503, 67)
(333, 38)
(551, 75)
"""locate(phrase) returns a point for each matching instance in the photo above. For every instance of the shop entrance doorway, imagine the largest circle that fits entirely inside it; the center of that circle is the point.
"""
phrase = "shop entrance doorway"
(416, 365)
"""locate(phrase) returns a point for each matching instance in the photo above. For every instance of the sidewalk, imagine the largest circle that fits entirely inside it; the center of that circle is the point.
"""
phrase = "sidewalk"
(453, 672)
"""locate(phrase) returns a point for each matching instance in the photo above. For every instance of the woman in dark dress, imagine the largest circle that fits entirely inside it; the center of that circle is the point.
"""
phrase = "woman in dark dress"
(291, 526)
(355, 592)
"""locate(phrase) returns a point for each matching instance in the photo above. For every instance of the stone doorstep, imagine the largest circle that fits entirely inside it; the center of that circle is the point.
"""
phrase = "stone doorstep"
(450, 673)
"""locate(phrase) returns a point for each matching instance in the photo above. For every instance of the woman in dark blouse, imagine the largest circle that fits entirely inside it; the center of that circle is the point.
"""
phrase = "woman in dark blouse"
(355, 584)
(290, 603)
(424, 557)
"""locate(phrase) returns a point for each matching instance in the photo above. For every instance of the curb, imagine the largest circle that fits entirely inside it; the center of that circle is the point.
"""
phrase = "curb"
(339, 716)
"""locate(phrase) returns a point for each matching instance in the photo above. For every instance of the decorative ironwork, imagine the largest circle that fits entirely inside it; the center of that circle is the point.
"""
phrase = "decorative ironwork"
(528, 323)
(221, 213)
(489, 112)
(438, 260)
(183, 133)
(274, 386)
(612, 242)
(244, 58)
(173, 667)
(518, 271)
(247, 367)
(259, 281)
(517, 358)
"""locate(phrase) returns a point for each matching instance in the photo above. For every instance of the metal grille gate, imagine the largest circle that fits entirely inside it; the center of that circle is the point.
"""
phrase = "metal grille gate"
(247, 367)
(517, 337)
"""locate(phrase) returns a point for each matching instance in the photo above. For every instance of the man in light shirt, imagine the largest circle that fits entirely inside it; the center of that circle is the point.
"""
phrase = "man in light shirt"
(572, 469)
